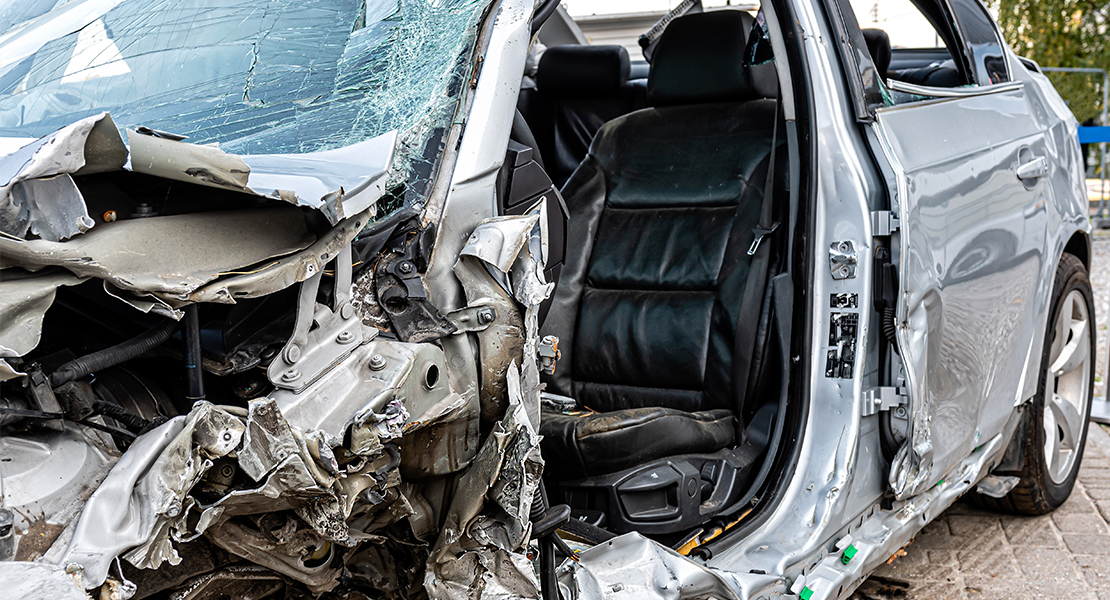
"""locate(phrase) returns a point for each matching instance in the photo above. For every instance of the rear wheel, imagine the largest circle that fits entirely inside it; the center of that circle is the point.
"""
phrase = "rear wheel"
(1057, 429)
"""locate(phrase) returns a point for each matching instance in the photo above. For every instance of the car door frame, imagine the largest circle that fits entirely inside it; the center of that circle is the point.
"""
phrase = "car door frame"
(913, 469)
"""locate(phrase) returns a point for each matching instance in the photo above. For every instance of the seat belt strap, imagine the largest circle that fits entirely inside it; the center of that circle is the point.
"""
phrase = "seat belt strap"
(747, 321)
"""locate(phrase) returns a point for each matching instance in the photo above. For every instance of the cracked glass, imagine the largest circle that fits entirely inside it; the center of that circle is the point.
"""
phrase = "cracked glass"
(255, 76)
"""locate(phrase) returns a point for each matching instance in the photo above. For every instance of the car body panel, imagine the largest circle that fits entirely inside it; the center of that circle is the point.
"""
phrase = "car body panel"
(973, 245)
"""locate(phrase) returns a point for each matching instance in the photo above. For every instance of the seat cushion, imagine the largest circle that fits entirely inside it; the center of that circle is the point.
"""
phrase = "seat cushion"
(585, 444)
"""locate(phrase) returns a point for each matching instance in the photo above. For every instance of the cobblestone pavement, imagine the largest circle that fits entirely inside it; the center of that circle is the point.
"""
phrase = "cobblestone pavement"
(972, 553)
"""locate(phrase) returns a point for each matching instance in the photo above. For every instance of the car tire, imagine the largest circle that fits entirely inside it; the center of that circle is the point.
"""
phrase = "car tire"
(1052, 459)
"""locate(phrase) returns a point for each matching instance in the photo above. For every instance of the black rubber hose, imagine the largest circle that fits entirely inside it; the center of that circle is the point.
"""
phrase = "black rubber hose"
(110, 357)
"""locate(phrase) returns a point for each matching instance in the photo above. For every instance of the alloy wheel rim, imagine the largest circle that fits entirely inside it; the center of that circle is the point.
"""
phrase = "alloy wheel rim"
(1067, 386)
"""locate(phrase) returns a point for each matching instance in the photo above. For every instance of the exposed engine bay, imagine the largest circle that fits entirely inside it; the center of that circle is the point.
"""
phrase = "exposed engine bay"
(278, 418)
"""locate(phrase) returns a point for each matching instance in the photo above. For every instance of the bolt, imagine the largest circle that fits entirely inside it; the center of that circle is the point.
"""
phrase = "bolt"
(900, 411)
(405, 267)
(345, 337)
(843, 246)
(292, 353)
(878, 401)
(227, 471)
(843, 271)
(290, 376)
(377, 362)
(485, 315)
(346, 311)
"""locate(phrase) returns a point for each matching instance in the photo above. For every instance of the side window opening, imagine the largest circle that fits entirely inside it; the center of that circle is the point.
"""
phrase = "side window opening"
(901, 46)
(918, 39)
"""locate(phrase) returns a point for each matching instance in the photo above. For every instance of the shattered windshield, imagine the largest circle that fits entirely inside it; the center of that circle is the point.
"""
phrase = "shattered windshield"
(255, 76)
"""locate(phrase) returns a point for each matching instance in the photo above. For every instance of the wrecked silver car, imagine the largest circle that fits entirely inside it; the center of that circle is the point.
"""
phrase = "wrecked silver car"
(376, 299)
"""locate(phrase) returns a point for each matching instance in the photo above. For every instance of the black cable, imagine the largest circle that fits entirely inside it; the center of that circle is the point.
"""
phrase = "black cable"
(114, 355)
(120, 435)
(128, 419)
(890, 327)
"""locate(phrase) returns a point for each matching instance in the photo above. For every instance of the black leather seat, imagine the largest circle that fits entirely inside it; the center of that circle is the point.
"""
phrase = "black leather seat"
(878, 45)
(661, 217)
(578, 89)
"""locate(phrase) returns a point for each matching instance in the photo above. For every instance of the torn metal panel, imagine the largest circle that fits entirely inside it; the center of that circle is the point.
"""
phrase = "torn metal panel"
(121, 513)
(24, 300)
(169, 256)
(182, 161)
(51, 208)
(90, 145)
(480, 552)
(635, 567)
(250, 483)
(494, 246)
(339, 183)
(24, 580)
(146, 303)
(283, 272)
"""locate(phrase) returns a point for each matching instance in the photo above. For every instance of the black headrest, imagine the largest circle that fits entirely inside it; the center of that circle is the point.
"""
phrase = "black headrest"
(583, 70)
(878, 44)
(700, 58)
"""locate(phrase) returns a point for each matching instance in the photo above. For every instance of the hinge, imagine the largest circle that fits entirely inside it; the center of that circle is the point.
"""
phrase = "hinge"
(883, 222)
(882, 398)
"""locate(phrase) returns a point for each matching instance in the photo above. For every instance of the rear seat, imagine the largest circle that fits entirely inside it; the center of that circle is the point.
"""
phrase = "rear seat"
(578, 89)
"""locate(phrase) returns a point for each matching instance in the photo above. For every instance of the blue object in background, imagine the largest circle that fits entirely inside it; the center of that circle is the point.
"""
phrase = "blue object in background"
(1094, 135)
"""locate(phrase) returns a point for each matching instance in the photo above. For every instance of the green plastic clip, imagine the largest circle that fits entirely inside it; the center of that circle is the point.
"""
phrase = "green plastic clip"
(849, 554)
(806, 593)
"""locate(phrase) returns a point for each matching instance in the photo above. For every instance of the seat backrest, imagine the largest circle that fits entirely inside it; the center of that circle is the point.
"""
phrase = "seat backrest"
(878, 45)
(578, 89)
(661, 217)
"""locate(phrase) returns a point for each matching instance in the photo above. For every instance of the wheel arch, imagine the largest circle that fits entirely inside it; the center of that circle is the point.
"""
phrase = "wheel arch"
(1079, 245)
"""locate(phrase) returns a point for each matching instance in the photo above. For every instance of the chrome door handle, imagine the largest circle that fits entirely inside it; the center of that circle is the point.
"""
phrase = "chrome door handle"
(1034, 169)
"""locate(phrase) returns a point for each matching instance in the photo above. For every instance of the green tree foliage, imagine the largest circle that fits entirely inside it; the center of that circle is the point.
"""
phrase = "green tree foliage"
(1062, 33)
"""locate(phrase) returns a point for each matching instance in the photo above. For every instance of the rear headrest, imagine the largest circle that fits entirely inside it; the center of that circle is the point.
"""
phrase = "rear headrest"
(878, 44)
(583, 70)
(700, 58)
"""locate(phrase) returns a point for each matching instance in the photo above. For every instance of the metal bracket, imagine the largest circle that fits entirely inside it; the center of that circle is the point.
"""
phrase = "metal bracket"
(44, 399)
(471, 318)
(842, 259)
(310, 353)
(882, 398)
(884, 222)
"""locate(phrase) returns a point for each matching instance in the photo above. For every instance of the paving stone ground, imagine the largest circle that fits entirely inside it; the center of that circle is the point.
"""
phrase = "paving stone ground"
(970, 553)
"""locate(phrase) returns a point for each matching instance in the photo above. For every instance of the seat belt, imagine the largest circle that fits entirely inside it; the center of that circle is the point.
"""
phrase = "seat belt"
(747, 322)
